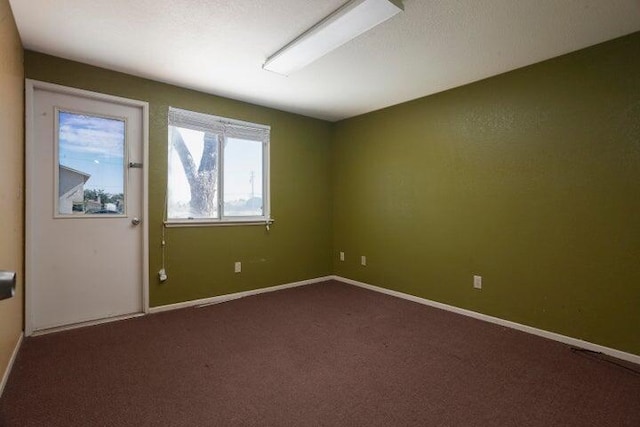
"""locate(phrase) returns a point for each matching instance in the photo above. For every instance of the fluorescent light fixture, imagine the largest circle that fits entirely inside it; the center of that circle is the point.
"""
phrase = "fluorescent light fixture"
(348, 22)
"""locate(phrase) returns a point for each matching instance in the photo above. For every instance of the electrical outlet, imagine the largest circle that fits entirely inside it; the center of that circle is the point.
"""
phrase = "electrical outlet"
(363, 260)
(162, 275)
(477, 282)
(341, 256)
(238, 267)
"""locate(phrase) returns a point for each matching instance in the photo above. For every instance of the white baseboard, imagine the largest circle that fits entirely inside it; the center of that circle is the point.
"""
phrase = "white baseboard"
(96, 322)
(7, 371)
(229, 297)
(575, 342)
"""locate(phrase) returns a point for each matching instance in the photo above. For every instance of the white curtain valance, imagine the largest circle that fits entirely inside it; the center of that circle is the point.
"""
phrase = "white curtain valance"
(210, 123)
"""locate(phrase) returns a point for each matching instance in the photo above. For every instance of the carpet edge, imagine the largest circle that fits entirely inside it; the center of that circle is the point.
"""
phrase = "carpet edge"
(228, 297)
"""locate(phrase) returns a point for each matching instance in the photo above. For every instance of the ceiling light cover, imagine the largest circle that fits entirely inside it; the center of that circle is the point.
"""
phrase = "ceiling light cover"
(346, 23)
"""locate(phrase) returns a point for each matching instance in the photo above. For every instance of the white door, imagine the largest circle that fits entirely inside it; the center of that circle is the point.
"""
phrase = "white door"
(85, 254)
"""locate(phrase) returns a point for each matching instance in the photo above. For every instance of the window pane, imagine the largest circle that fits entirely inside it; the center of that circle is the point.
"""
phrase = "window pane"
(192, 187)
(90, 164)
(243, 178)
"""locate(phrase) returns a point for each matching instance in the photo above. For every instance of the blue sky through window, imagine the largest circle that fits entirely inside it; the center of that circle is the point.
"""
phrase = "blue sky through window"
(93, 145)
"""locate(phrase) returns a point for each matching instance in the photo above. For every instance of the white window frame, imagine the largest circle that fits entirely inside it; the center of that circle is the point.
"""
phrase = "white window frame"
(226, 128)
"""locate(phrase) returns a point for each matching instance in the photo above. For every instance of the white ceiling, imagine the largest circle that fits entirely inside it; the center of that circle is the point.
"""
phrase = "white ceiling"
(219, 46)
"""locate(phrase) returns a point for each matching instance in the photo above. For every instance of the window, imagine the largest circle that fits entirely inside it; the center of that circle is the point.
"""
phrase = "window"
(91, 174)
(218, 169)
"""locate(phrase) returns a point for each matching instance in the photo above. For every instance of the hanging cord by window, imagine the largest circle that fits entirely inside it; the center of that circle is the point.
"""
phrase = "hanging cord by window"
(603, 357)
(162, 274)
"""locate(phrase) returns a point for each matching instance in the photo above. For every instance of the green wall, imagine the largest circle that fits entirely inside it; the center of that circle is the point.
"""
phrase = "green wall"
(200, 260)
(530, 179)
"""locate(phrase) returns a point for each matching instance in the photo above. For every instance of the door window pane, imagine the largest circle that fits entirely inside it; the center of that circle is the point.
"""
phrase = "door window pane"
(91, 170)
(243, 184)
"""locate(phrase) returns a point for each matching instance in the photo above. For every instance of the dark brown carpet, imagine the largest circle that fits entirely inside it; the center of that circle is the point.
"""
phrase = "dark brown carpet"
(328, 354)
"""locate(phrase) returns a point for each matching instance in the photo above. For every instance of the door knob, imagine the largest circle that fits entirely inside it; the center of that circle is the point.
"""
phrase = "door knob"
(136, 221)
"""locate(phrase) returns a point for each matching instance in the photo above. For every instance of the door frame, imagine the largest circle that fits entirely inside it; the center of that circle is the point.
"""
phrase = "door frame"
(30, 146)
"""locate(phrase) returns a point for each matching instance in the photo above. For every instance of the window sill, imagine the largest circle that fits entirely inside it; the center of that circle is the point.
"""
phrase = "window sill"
(223, 223)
